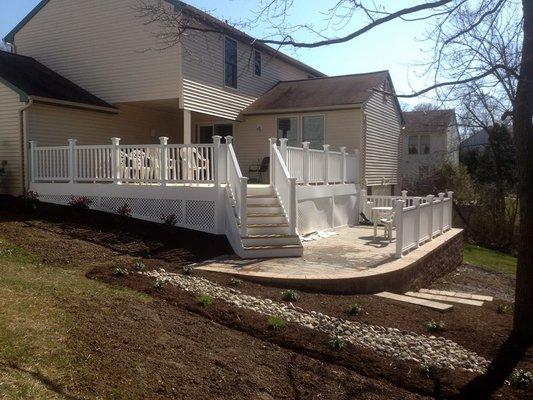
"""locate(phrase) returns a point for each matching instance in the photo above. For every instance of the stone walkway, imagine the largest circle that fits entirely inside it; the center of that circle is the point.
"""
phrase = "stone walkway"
(389, 342)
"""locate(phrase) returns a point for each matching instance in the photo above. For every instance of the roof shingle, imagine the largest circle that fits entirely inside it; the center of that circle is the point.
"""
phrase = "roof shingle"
(430, 121)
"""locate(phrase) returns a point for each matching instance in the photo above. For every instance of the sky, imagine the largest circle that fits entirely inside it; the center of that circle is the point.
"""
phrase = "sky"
(394, 46)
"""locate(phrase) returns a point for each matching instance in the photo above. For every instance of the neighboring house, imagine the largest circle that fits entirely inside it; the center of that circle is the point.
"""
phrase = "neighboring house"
(477, 141)
(430, 138)
(92, 70)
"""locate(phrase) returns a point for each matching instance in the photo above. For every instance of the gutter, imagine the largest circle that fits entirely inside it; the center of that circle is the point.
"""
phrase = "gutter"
(303, 109)
(23, 137)
(71, 104)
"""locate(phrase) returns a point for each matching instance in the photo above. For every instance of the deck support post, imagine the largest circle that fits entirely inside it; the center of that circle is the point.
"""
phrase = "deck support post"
(306, 166)
(398, 208)
(430, 217)
(217, 170)
(343, 164)
(272, 142)
(163, 140)
(72, 173)
(326, 164)
(33, 145)
(416, 203)
(441, 216)
(115, 160)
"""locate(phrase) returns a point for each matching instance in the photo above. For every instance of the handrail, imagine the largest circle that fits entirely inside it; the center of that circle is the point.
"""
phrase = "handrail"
(238, 185)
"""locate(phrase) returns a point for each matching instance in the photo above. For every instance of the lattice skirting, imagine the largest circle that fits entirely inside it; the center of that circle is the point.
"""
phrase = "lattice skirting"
(194, 214)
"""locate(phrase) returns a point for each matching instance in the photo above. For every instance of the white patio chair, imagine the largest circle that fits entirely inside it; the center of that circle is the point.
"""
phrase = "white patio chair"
(388, 225)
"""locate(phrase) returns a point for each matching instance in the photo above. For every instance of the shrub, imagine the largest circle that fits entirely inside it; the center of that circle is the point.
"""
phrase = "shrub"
(337, 343)
(355, 309)
(521, 379)
(170, 220)
(235, 282)
(188, 270)
(30, 199)
(80, 202)
(159, 285)
(119, 272)
(435, 326)
(139, 266)
(428, 370)
(503, 308)
(124, 210)
(276, 323)
(290, 295)
(204, 300)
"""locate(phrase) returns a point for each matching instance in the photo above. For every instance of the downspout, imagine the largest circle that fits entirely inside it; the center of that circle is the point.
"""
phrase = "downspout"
(23, 137)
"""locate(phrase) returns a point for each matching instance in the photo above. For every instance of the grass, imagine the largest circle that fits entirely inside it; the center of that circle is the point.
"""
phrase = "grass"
(39, 357)
(490, 259)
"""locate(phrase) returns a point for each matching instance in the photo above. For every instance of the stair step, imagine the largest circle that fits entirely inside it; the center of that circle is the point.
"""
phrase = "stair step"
(261, 196)
(261, 215)
(274, 247)
(270, 236)
(270, 240)
(281, 224)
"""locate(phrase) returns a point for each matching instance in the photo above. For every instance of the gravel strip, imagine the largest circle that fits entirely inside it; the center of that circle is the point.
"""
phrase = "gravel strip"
(390, 342)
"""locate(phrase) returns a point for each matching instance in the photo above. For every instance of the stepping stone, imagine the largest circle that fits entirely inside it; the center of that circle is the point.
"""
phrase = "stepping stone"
(458, 294)
(413, 300)
(449, 299)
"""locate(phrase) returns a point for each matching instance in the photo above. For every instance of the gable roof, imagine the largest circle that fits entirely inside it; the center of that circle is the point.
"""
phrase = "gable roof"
(28, 77)
(326, 93)
(428, 122)
(199, 15)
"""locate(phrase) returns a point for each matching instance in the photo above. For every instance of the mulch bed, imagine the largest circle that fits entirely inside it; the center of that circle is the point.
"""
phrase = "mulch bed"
(446, 384)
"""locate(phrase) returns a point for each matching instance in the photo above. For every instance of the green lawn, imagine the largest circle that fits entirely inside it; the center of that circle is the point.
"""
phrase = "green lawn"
(490, 259)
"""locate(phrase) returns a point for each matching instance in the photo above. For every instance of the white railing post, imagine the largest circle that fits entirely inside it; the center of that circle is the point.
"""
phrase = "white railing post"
(404, 196)
(362, 202)
(357, 169)
(283, 149)
(72, 173)
(243, 207)
(450, 196)
(430, 216)
(33, 145)
(399, 227)
(326, 164)
(441, 216)
(343, 164)
(272, 142)
(306, 165)
(115, 160)
(163, 140)
(416, 203)
(216, 157)
(293, 214)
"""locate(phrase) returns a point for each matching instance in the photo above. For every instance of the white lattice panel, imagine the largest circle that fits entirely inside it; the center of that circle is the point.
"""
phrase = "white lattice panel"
(201, 214)
(154, 209)
(55, 198)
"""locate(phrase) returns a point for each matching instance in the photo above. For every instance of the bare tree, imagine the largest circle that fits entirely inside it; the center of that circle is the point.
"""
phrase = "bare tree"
(454, 62)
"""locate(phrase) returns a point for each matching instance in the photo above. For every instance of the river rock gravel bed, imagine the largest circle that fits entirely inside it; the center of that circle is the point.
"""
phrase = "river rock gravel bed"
(391, 342)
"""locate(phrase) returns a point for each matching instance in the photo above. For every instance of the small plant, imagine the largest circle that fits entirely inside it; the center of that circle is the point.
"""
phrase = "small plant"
(120, 272)
(276, 323)
(504, 308)
(235, 282)
(428, 370)
(170, 220)
(435, 326)
(188, 270)
(159, 285)
(80, 202)
(355, 309)
(521, 379)
(139, 266)
(124, 210)
(204, 300)
(337, 343)
(30, 199)
(290, 295)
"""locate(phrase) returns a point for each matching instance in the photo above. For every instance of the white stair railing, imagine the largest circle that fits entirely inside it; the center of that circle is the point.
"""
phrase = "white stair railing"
(238, 185)
(284, 184)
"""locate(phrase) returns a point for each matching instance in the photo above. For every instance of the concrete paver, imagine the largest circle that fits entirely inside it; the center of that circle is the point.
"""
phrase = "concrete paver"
(413, 300)
(448, 299)
(458, 294)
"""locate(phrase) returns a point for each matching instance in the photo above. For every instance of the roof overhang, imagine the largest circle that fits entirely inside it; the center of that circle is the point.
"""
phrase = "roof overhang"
(303, 109)
(71, 104)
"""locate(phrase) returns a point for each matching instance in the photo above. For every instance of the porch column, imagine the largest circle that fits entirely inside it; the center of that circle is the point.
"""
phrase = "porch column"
(187, 128)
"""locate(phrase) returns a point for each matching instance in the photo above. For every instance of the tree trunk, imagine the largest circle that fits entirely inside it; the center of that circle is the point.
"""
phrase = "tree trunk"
(523, 131)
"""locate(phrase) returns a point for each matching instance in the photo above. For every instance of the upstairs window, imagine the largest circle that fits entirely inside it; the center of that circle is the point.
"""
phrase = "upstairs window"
(230, 61)
(257, 63)
(419, 144)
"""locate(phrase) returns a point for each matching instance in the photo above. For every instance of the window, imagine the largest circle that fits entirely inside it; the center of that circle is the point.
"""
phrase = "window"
(313, 131)
(288, 128)
(257, 63)
(413, 144)
(424, 144)
(206, 132)
(230, 61)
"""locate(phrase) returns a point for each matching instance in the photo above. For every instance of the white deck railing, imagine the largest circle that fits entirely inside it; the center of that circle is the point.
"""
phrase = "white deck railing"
(421, 221)
(311, 166)
(148, 163)
(370, 201)
(238, 186)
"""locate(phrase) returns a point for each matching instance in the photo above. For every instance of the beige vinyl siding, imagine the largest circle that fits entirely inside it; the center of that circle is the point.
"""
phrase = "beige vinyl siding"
(382, 140)
(203, 75)
(10, 141)
(53, 126)
(104, 47)
(342, 128)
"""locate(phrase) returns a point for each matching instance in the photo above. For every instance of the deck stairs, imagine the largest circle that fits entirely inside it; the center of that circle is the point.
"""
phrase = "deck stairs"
(268, 232)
